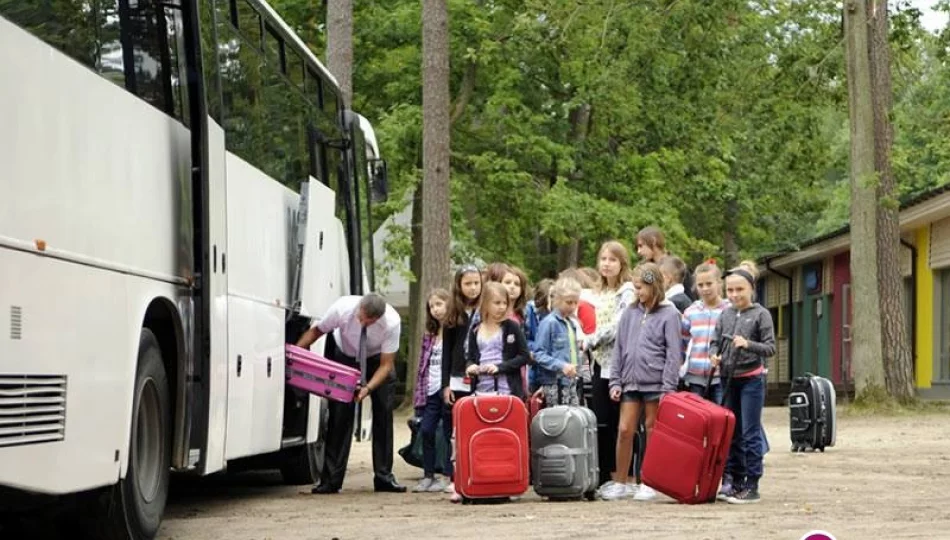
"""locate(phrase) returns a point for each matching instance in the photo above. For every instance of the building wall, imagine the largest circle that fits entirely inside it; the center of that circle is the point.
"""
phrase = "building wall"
(776, 299)
(841, 278)
(924, 361)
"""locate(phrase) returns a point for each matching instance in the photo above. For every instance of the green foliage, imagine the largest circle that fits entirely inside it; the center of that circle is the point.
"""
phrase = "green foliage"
(398, 248)
(588, 120)
(921, 118)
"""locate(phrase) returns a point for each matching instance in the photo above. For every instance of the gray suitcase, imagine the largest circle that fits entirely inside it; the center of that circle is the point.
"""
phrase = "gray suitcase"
(564, 453)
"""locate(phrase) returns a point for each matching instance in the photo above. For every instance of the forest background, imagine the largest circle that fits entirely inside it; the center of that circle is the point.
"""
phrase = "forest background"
(724, 123)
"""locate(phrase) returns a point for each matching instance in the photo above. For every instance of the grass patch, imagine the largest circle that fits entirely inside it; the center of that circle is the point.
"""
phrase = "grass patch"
(875, 401)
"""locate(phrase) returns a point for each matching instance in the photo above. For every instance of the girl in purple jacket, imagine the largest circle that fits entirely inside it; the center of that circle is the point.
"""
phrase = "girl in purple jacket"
(645, 366)
(427, 399)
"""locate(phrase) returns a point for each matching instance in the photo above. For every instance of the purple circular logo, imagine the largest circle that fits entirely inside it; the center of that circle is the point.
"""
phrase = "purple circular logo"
(818, 535)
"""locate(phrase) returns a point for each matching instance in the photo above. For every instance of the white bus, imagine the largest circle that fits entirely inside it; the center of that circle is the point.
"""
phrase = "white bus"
(152, 156)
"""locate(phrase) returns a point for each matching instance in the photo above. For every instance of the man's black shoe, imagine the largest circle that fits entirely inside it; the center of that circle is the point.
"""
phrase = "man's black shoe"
(389, 487)
(324, 489)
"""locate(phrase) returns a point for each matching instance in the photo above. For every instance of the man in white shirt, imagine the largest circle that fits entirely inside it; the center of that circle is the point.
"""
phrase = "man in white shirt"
(350, 319)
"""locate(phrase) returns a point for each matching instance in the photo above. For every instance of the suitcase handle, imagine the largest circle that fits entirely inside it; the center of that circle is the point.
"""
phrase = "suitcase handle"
(560, 390)
(724, 341)
(494, 378)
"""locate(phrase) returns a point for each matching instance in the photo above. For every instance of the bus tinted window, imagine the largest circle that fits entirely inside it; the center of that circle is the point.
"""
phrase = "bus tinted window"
(267, 119)
(136, 44)
(330, 103)
(273, 46)
(314, 88)
(209, 60)
(294, 68)
(71, 27)
(249, 22)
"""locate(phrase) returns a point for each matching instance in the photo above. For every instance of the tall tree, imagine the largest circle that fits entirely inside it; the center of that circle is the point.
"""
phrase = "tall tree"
(340, 45)
(898, 362)
(436, 123)
(867, 354)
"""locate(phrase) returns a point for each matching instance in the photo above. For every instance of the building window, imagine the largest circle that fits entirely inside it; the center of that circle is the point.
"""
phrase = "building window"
(943, 373)
(812, 277)
(779, 321)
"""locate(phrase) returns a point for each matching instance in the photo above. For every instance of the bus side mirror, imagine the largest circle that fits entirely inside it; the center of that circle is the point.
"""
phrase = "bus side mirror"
(379, 180)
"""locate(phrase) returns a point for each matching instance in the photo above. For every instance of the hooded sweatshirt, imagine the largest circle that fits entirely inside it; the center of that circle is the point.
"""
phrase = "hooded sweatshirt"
(648, 350)
(609, 306)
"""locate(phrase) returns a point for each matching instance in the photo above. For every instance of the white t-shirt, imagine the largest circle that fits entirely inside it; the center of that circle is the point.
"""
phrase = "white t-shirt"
(381, 337)
(435, 368)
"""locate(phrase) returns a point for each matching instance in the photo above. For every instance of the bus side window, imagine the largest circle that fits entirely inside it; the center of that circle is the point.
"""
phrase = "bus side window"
(71, 27)
(318, 156)
(331, 103)
(142, 50)
(314, 89)
(136, 44)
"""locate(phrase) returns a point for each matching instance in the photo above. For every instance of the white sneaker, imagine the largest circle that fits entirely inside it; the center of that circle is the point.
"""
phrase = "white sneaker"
(632, 489)
(615, 492)
(423, 485)
(450, 488)
(645, 493)
(605, 486)
(437, 486)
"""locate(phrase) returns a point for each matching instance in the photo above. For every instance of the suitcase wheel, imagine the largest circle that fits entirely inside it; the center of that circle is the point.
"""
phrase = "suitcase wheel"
(466, 500)
(591, 495)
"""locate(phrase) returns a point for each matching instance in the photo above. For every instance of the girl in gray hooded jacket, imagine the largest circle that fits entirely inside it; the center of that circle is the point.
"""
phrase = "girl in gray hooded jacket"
(645, 366)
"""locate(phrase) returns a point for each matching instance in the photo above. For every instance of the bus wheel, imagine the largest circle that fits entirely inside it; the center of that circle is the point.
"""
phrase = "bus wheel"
(302, 464)
(133, 508)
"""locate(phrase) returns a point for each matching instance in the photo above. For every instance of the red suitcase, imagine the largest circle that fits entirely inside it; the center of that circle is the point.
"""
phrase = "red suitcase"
(491, 437)
(535, 404)
(687, 452)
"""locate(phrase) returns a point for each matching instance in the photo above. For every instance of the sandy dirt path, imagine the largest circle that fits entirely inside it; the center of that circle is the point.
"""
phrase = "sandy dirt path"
(886, 478)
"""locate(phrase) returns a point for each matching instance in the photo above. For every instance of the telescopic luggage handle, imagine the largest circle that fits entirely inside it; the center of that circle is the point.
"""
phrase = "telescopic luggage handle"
(359, 406)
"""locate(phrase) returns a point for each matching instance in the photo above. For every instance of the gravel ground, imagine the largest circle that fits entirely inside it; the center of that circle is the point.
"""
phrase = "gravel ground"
(886, 478)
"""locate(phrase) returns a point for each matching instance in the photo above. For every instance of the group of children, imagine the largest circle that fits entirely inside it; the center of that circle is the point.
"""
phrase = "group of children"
(629, 335)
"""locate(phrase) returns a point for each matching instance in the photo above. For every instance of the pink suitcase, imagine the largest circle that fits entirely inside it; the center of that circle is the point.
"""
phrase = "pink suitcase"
(325, 378)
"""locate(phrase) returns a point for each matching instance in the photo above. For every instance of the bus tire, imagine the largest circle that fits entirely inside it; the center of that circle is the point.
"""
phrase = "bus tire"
(302, 464)
(133, 507)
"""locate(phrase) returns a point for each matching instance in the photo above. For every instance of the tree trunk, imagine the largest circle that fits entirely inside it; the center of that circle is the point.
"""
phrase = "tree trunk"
(568, 255)
(867, 355)
(416, 314)
(436, 125)
(730, 236)
(340, 45)
(898, 361)
(436, 104)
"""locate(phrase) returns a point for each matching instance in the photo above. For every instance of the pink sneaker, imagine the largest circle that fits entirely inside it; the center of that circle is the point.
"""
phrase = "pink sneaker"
(455, 498)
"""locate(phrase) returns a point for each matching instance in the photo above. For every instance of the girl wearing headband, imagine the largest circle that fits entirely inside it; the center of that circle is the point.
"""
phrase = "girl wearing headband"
(741, 342)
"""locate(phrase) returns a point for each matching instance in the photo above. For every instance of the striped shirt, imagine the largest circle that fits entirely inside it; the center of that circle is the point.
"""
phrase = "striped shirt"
(699, 322)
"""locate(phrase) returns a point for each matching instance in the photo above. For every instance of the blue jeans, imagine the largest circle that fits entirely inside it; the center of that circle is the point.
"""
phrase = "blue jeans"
(746, 398)
(435, 410)
(715, 396)
(715, 392)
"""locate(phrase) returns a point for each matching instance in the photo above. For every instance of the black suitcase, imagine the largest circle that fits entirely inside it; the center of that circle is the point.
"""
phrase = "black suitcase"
(812, 413)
